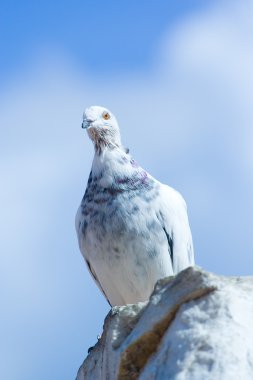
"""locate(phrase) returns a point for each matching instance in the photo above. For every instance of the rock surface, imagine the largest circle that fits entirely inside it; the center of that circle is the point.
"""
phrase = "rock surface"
(195, 326)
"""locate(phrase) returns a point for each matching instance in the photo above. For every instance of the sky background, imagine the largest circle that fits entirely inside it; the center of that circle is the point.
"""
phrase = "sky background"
(178, 76)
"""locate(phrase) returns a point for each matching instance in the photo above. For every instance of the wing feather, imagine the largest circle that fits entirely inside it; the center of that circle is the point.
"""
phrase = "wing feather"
(93, 274)
(174, 219)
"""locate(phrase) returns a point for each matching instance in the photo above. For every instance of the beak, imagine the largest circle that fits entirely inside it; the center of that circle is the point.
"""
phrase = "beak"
(86, 123)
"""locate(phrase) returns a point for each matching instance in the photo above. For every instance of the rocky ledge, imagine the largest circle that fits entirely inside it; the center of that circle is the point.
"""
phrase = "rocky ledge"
(196, 326)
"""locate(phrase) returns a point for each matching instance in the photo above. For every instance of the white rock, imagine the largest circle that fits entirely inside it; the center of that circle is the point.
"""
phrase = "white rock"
(197, 326)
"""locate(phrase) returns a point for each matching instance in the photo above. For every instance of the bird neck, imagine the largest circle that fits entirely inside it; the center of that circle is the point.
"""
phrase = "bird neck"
(104, 139)
(113, 167)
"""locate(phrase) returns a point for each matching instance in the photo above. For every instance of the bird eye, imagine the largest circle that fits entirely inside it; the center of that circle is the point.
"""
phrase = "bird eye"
(106, 115)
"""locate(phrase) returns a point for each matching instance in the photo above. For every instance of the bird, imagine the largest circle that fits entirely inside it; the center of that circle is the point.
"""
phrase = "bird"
(132, 230)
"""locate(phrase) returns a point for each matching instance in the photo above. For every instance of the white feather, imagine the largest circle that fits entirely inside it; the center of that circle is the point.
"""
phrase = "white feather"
(132, 230)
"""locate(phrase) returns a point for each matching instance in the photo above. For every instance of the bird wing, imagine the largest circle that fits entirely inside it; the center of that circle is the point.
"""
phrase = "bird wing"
(93, 274)
(78, 224)
(170, 245)
(174, 220)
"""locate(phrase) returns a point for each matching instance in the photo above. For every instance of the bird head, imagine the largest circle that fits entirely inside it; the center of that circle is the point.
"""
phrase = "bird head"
(102, 127)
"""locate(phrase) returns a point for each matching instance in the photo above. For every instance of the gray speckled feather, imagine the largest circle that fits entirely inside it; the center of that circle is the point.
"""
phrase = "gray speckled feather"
(132, 230)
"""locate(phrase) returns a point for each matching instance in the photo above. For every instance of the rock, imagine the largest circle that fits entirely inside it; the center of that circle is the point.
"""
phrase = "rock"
(196, 326)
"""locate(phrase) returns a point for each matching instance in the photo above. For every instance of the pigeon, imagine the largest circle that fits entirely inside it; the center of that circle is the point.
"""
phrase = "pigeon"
(132, 230)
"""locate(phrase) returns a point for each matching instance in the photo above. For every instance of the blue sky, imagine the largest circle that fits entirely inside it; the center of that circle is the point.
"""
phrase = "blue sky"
(99, 36)
(178, 76)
